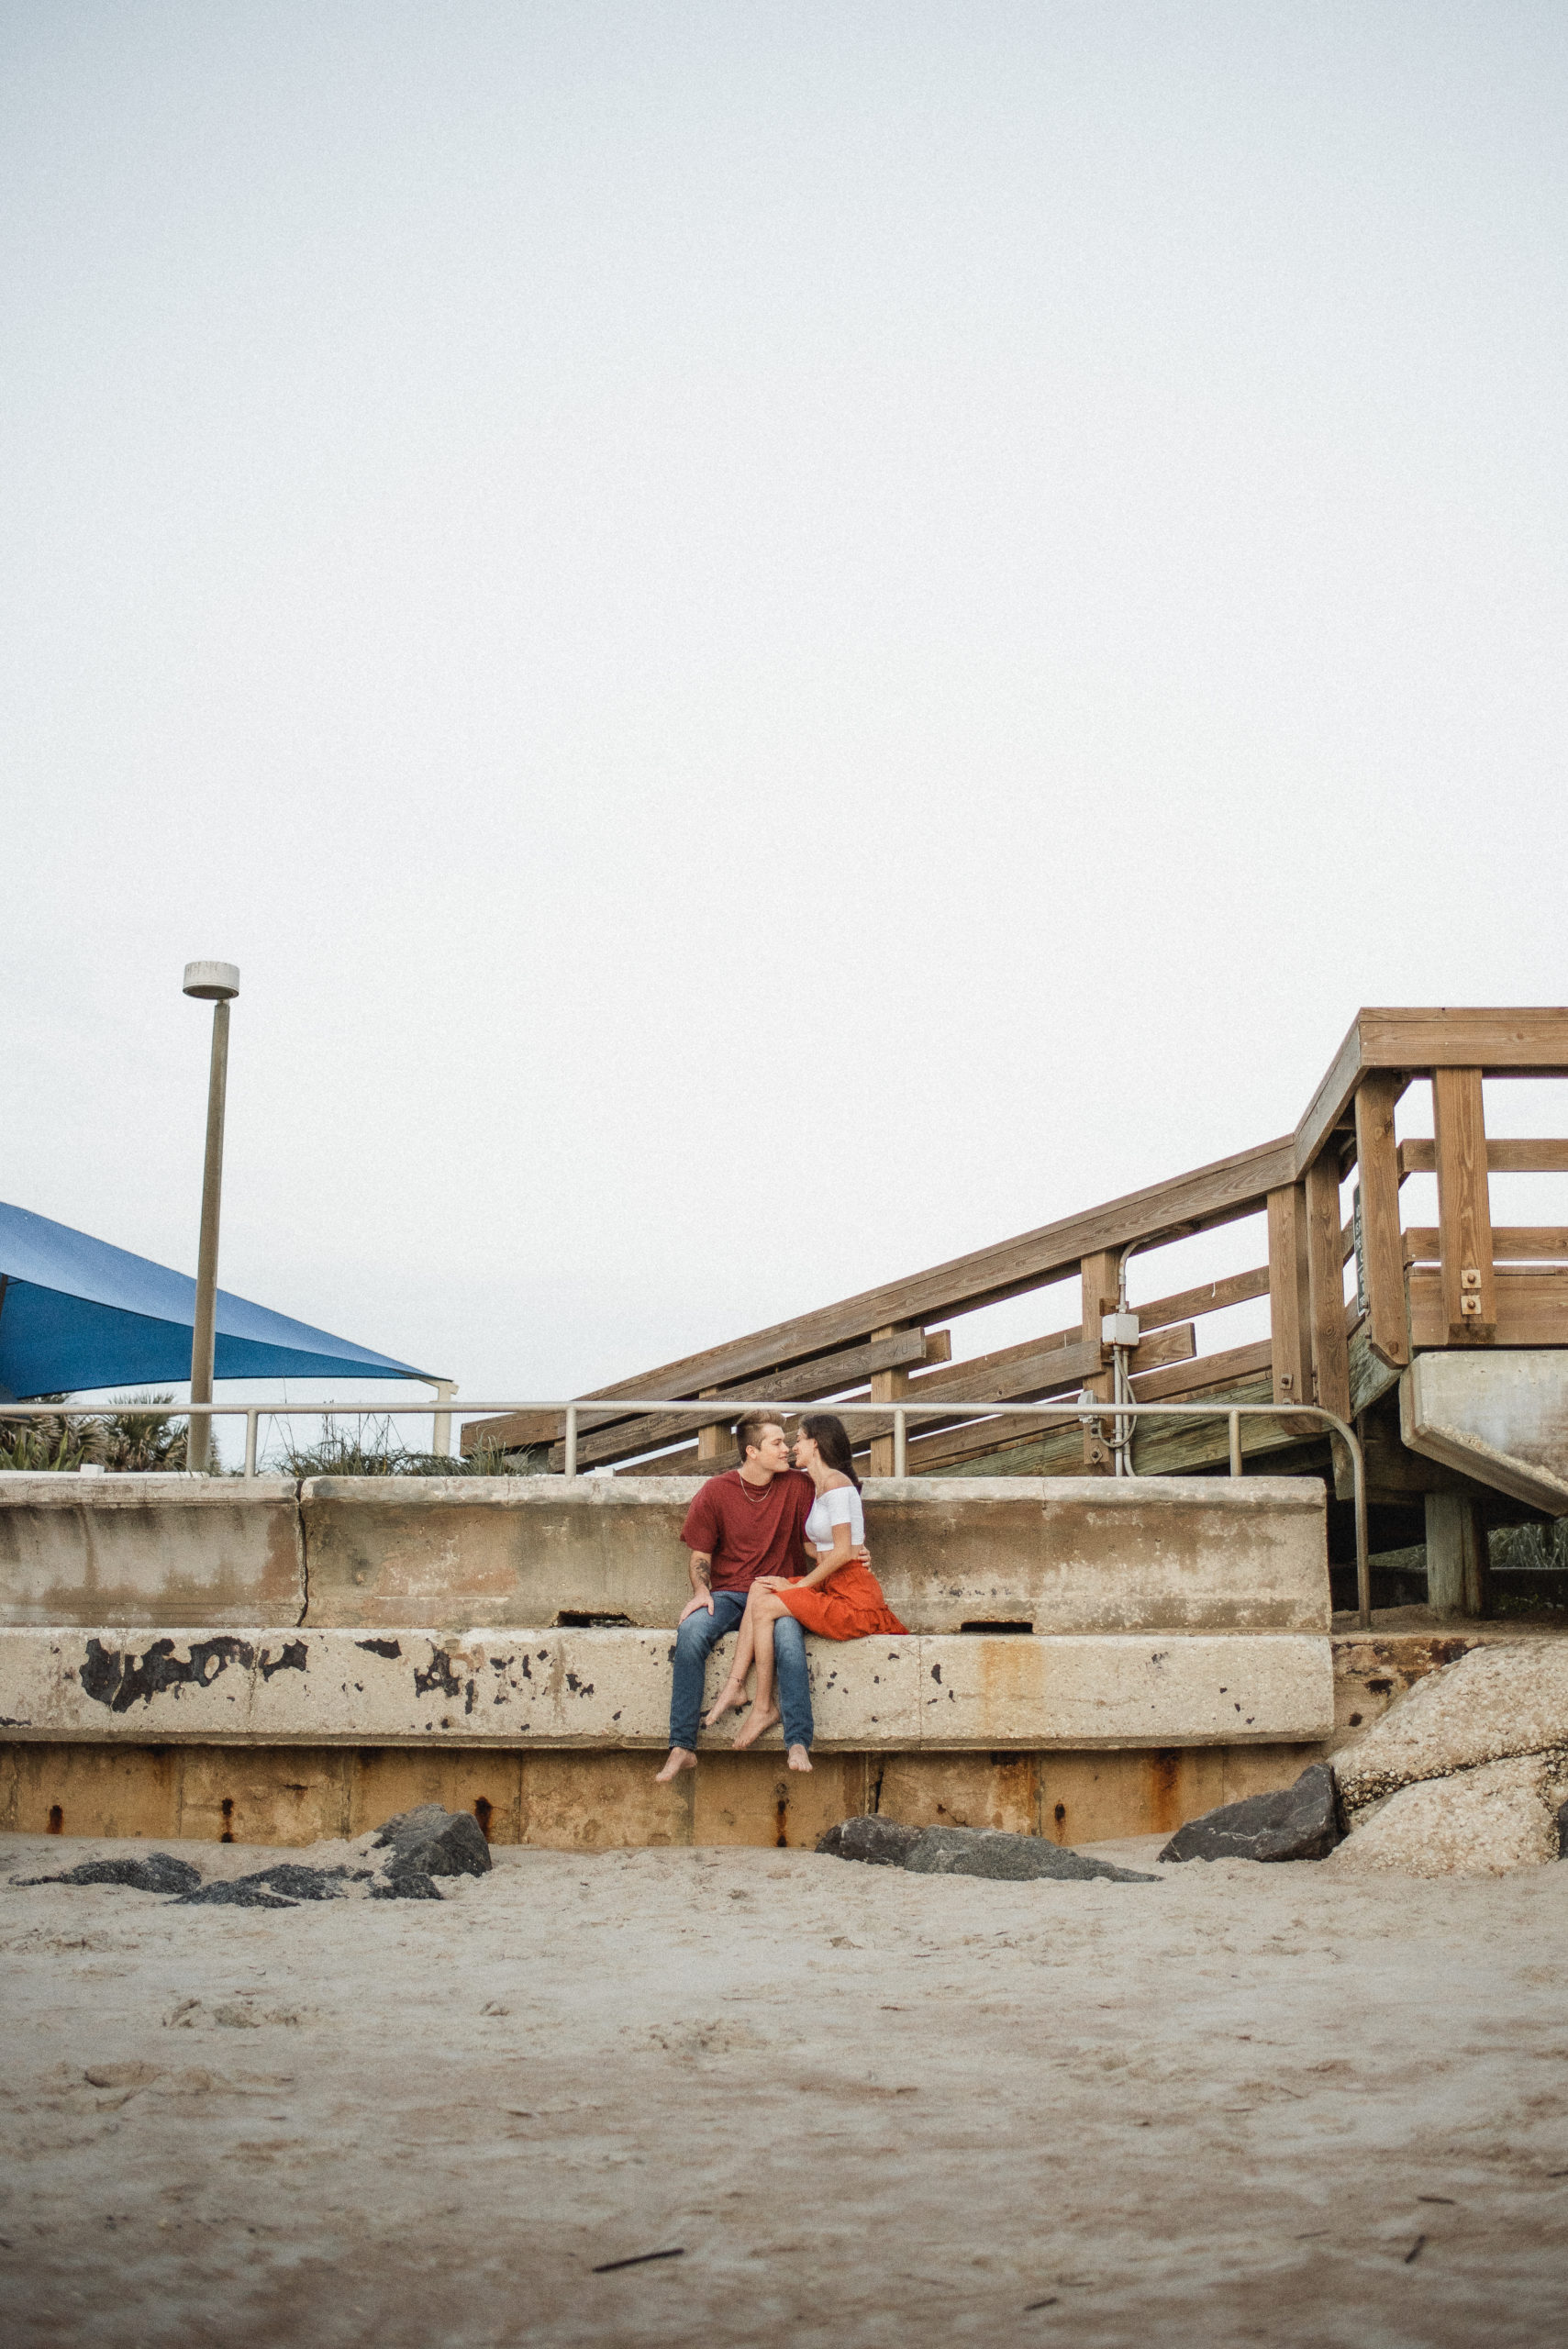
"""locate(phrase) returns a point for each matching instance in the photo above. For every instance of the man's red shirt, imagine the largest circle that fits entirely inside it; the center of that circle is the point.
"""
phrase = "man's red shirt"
(750, 1530)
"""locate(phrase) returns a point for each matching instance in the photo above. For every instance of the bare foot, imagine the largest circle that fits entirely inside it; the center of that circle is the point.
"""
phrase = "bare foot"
(679, 1760)
(798, 1758)
(758, 1722)
(730, 1698)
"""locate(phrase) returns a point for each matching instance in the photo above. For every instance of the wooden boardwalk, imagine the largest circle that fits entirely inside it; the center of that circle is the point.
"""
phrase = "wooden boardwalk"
(1461, 1283)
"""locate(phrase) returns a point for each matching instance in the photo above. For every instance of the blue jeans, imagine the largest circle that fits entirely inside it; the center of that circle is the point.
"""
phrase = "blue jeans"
(695, 1642)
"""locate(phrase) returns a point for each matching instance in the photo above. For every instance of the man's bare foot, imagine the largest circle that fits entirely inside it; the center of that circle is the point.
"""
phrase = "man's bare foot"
(758, 1722)
(679, 1760)
(798, 1758)
(730, 1698)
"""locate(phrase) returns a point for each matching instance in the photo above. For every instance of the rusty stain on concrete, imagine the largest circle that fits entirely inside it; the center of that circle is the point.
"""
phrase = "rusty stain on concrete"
(594, 1801)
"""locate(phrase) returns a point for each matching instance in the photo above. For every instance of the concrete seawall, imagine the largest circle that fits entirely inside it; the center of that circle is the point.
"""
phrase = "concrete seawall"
(181, 1657)
(1060, 1555)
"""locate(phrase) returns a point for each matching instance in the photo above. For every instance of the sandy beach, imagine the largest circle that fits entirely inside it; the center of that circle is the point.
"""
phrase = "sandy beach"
(1243, 2104)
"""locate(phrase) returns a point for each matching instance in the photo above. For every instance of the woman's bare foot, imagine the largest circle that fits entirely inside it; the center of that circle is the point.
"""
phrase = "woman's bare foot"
(731, 1697)
(756, 1725)
(679, 1760)
(798, 1758)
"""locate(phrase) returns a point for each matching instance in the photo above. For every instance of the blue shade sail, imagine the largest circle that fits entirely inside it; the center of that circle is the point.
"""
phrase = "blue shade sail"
(77, 1314)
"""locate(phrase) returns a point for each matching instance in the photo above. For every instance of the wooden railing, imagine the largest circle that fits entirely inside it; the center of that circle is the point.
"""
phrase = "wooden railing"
(1457, 1283)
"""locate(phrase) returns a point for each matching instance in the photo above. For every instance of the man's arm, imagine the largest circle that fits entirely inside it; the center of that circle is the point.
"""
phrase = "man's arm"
(699, 1565)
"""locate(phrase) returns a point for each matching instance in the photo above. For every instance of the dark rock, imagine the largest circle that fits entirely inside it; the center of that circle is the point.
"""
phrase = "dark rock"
(965, 1851)
(1014, 1859)
(159, 1872)
(1300, 1822)
(881, 1842)
(234, 1892)
(407, 1884)
(1563, 1832)
(435, 1843)
(297, 1883)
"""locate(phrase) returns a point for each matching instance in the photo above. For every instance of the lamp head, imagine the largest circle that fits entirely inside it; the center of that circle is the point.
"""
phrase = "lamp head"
(213, 982)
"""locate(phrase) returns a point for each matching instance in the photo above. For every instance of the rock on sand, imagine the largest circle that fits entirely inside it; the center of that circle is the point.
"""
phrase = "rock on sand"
(1495, 1704)
(1485, 1822)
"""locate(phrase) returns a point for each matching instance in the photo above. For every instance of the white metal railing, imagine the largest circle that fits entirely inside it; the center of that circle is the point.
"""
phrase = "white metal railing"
(1088, 1411)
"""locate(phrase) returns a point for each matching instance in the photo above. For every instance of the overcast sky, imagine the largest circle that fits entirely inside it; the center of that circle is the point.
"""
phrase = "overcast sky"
(783, 639)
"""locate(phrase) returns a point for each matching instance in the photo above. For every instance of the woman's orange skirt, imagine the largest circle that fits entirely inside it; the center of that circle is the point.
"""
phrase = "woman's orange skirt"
(847, 1606)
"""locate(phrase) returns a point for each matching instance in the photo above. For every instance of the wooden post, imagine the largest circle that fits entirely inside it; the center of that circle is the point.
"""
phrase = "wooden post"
(886, 1386)
(716, 1445)
(1464, 1211)
(1457, 1572)
(1325, 1286)
(1290, 1301)
(1377, 1176)
(1097, 1277)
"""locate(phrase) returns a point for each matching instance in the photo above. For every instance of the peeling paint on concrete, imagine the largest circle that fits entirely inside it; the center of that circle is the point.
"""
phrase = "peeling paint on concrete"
(608, 1688)
(121, 1677)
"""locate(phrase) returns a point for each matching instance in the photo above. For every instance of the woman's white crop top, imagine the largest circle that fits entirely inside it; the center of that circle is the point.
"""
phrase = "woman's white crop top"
(841, 1506)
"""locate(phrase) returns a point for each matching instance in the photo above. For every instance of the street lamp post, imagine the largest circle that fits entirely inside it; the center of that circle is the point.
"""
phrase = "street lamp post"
(217, 984)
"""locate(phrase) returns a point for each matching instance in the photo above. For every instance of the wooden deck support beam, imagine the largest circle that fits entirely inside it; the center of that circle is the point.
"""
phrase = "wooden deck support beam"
(716, 1446)
(1464, 1212)
(1457, 1569)
(886, 1386)
(1290, 1303)
(1325, 1288)
(1383, 1256)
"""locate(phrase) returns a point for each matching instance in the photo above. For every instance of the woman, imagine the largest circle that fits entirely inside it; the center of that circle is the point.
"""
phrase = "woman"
(841, 1599)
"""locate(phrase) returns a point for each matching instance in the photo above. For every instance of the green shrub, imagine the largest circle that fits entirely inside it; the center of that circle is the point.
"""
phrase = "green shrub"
(60, 1441)
(134, 1435)
(1530, 1549)
(368, 1448)
(129, 1435)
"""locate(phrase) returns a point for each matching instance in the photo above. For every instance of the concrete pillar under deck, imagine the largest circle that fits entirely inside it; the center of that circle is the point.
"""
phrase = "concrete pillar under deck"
(1456, 1554)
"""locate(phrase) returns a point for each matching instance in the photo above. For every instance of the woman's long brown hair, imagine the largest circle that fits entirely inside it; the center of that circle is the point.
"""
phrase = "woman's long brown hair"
(831, 1439)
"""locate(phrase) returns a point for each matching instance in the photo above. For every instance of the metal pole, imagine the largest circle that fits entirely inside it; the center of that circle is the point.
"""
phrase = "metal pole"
(441, 1432)
(250, 1419)
(1235, 1418)
(572, 1439)
(1364, 1565)
(203, 1330)
(900, 1444)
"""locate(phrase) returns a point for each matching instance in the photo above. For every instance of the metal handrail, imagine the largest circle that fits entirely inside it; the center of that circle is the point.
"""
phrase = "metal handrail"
(1088, 1410)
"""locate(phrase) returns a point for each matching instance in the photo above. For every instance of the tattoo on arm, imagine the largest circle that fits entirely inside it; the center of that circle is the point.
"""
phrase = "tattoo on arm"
(702, 1572)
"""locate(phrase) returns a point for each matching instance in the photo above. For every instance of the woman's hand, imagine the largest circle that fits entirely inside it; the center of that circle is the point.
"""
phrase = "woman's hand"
(772, 1582)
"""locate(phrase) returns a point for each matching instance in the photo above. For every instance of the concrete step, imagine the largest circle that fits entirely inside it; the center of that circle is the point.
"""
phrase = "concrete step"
(611, 1688)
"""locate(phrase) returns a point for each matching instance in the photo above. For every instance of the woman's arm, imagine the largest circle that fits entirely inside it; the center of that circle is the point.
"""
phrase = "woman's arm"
(839, 1555)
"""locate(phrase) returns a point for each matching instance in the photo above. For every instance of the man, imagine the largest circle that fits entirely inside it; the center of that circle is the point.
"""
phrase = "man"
(749, 1521)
